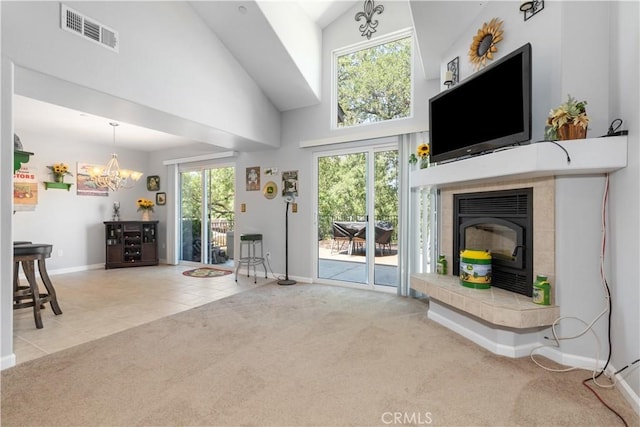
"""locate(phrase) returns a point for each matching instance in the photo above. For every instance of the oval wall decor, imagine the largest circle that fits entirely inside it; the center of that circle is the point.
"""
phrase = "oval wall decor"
(270, 190)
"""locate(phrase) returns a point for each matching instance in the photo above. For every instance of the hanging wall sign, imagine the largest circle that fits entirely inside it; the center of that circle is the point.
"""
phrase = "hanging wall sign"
(25, 190)
(290, 183)
(85, 186)
(253, 178)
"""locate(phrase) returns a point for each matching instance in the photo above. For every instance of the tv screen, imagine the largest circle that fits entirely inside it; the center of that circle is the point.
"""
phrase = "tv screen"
(489, 110)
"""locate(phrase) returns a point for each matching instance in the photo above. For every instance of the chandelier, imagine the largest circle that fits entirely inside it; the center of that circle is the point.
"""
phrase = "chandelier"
(111, 176)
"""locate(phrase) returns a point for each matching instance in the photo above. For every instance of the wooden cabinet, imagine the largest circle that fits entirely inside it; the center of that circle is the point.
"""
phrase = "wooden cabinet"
(131, 243)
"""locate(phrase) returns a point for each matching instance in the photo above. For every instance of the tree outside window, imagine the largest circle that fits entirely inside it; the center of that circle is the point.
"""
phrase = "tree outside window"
(374, 84)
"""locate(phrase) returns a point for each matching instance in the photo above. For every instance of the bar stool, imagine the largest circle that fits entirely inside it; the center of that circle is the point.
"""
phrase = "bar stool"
(16, 281)
(249, 241)
(26, 254)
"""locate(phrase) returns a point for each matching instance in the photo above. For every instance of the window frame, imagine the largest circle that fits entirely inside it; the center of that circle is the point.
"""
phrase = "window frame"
(387, 38)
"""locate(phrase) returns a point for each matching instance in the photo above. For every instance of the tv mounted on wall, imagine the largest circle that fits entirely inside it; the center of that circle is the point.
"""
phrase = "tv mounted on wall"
(489, 110)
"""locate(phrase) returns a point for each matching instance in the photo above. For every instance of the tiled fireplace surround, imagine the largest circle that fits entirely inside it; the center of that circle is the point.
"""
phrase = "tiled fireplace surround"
(505, 319)
(504, 322)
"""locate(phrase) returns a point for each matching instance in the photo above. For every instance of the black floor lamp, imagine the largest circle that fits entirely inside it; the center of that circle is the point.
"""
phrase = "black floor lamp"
(288, 199)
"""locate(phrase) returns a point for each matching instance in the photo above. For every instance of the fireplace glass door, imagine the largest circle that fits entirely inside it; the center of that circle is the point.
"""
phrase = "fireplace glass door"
(504, 239)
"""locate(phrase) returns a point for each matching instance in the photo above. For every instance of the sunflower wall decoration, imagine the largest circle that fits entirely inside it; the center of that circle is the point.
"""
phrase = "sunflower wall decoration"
(484, 43)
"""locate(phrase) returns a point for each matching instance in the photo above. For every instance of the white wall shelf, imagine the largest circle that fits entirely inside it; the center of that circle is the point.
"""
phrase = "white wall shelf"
(588, 156)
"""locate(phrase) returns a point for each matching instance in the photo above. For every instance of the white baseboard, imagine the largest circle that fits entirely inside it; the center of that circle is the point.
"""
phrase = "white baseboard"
(625, 389)
(480, 334)
(566, 359)
(501, 342)
(75, 269)
(8, 361)
(299, 279)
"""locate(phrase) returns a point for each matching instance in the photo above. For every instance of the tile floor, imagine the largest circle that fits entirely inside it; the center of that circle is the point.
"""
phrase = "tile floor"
(97, 303)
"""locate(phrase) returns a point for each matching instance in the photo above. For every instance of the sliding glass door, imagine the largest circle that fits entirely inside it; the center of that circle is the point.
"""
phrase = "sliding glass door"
(342, 216)
(357, 216)
(206, 215)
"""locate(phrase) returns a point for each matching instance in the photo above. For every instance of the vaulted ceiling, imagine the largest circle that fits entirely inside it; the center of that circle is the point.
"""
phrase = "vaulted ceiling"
(239, 25)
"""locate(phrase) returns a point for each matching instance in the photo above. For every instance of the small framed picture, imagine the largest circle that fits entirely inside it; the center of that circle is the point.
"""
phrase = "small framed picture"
(253, 178)
(290, 183)
(153, 183)
(161, 199)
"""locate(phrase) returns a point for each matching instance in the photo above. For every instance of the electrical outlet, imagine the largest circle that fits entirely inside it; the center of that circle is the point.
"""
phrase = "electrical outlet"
(60, 252)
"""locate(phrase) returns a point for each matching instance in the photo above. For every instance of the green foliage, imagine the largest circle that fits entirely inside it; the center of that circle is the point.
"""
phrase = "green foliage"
(374, 84)
(220, 187)
(386, 185)
(342, 189)
(191, 195)
(221, 193)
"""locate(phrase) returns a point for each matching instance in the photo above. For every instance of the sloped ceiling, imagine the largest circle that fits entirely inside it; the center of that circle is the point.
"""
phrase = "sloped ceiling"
(437, 25)
(248, 34)
(254, 41)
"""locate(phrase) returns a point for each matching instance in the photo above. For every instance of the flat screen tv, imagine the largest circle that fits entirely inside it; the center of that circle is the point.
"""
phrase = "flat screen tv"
(489, 110)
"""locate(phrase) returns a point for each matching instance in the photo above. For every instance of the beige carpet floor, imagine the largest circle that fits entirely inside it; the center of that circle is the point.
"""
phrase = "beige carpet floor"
(303, 355)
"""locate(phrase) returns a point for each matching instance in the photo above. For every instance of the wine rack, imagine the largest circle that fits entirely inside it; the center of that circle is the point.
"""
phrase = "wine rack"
(131, 243)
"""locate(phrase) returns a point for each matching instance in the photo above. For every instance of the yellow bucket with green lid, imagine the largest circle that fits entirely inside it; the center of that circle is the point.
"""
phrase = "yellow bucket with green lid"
(475, 269)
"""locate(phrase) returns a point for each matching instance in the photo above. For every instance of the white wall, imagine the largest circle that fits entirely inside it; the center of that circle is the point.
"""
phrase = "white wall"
(73, 223)
(343, 32)
(545, 51)
(311, 125)
(624, 210)
(564, 37)
(610, 84)
(186, 75)
(583, 72)
(301, 37)
(579, 291)
(268, 216)
(189, 74)
(7, 358)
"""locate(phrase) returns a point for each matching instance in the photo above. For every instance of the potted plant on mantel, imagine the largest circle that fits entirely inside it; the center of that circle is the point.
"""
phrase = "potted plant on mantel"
(568, 121)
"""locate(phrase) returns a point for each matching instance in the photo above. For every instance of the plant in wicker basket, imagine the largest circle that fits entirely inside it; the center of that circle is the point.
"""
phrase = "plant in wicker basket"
(568, 121)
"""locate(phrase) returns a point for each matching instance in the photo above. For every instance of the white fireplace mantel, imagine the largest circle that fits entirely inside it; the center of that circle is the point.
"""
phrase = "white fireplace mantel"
(541, 159)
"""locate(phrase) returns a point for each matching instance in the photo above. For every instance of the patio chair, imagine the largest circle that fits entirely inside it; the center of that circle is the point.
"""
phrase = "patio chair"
(384, 230)
(358, 239)
(339, 236)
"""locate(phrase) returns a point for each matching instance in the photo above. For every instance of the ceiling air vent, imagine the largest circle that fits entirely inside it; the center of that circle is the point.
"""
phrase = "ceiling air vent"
(83, 26)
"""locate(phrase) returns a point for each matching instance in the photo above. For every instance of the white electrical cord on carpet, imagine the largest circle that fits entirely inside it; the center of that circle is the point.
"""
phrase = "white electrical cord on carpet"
(589, 326)
(271, 270)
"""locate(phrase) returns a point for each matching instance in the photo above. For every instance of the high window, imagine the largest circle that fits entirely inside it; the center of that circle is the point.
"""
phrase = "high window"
(373, 81)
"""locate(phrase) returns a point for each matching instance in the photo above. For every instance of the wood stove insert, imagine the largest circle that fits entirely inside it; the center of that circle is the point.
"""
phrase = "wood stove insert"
(501, 222)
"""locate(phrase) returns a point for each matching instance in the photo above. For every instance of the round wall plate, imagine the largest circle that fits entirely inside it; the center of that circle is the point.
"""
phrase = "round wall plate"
(270, 190)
